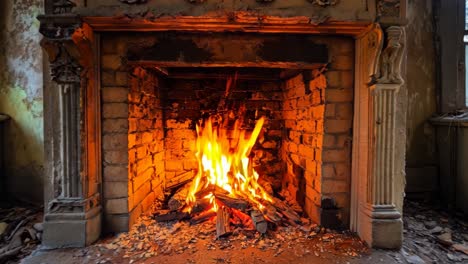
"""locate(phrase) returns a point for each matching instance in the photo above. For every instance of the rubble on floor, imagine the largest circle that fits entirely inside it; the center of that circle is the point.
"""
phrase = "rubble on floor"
(149, 238)
(20, 232)
(433, 236)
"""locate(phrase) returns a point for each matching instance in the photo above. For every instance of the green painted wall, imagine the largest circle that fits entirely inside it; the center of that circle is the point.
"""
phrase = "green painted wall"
(21, 98)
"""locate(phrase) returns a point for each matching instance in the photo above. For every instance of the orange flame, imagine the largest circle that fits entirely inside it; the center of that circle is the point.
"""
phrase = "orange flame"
(223, 161)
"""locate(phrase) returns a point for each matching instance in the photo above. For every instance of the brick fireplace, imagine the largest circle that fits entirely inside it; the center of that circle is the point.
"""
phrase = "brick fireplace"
(126, 94)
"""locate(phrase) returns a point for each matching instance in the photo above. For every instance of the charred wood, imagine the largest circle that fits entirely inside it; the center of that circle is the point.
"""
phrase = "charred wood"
(170, 216)
(259, 221)
(177, 201)
(222, 222)
(237, 203)
(204, 216)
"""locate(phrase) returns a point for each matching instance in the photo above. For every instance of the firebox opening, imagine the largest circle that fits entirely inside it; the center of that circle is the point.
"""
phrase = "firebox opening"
(302, 153)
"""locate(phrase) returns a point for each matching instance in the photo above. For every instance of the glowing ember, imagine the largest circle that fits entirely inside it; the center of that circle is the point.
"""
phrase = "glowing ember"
(223, 162)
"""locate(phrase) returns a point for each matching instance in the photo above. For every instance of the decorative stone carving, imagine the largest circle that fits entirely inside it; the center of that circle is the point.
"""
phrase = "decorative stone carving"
(62, 6)
(388, 8)
(381, 182)
(196, 1)
(73, 207)
(392, 55)
(134, 1)
(324, 3)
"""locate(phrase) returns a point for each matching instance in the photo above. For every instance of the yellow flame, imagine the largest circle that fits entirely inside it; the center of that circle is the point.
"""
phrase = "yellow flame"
(223, 161)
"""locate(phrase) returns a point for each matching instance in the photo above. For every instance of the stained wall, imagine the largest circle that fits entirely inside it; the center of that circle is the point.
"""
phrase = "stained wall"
(21, 98)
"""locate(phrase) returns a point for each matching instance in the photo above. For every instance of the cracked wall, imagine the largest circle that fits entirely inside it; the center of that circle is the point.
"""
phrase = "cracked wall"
(21, 98)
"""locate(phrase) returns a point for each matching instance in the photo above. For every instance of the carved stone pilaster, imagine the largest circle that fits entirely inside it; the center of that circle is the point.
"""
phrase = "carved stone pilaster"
(374, 214)
(386, 218)
(72, 216)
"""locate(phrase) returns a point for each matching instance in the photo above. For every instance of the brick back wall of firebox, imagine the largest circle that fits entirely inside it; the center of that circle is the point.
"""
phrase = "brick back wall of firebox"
(186, 101)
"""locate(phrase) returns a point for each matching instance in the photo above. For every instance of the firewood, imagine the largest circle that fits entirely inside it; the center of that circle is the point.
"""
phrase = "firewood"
(200, 206)
(204, 216)
(244, 219)
(259, 221)
(214, 189)
(237, 203)
(169, 216)
(177, 201)
(222, 222)
(286, 211)
(271, 214)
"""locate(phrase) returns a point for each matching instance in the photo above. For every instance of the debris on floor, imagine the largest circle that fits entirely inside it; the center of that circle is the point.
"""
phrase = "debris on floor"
(149, 238)
(20, 232)
(433, 236)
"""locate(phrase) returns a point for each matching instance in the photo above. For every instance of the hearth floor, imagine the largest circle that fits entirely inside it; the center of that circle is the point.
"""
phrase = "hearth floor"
(152, 242)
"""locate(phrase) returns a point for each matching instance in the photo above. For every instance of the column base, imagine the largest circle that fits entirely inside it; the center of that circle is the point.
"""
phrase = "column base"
(65, 230)
(383, 227)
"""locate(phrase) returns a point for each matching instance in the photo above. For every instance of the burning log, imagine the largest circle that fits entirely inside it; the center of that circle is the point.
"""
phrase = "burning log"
(237, 203)
(166, 216)
(259, 221)
(241, 219)
(222, 222)
(204, 216)
(214, 189)
(200, 206)
(177, 201)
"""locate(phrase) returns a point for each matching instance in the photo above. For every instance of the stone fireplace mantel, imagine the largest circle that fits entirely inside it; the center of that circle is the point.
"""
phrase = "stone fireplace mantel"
(73, 128)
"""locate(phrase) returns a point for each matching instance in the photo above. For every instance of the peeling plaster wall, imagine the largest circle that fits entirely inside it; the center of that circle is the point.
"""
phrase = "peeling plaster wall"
(21, 98)
(421, 84)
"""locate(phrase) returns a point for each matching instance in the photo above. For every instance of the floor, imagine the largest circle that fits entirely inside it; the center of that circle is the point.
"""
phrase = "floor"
(431, 236)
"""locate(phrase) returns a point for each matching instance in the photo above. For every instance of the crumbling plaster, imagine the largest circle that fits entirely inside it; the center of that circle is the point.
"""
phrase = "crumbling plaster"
(21, 98)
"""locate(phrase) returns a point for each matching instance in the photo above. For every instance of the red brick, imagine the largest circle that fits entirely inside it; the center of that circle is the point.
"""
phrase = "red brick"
(333, 79)
(330, 110)
(115, 142)
(344, 111)
(328, 171)
(115, 125)
(343, 171)
(115, 190)
(334, 186)
(115, 157)
(115, 110)
(114, 94)
(342, 62)
(335, 155)
(329, 140)
(115, 173)
(116, 206)
(111, 62)
(347, 79)
(338, 95)
(337, 126)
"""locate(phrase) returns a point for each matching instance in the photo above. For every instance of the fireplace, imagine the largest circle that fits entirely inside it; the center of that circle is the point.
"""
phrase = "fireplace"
(129, 94)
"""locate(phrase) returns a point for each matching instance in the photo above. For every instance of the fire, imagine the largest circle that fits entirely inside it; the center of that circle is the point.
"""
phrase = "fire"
(223, 163)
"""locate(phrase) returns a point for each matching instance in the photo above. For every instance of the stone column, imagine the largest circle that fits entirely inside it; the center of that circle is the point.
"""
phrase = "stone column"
(386, 219)
(73, 212)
